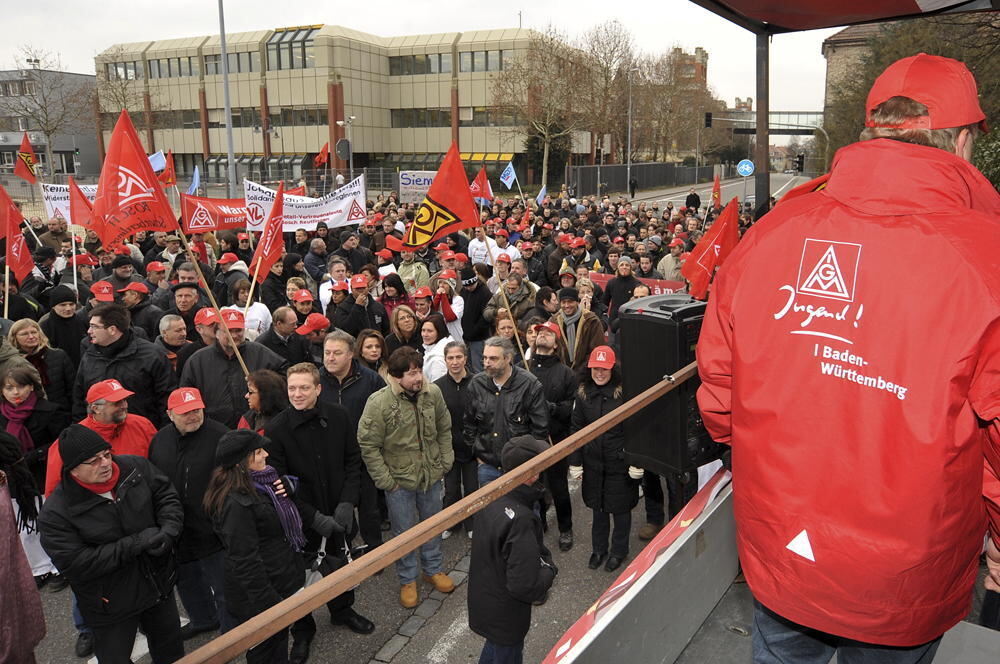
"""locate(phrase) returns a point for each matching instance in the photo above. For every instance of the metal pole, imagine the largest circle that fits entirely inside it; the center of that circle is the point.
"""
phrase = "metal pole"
(350, 155)
(762, 182)
(628, 153)
(231, 164)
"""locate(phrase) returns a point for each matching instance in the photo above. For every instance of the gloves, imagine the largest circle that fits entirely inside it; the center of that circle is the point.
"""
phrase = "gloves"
(551, 565)
(344, 516)
(635, 473)
(575, 472)
(326, 525)
(159, 544)
(145, 540)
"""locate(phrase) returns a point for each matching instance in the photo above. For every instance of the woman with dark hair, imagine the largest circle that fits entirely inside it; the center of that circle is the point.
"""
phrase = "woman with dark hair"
(434, 334)
(369, 350)
(267, 396)
(52, 364)
(27, 415)
(403, 324)
(261, 531)
(394, 294)
(295, 267)
(272, 290)
(610, 487)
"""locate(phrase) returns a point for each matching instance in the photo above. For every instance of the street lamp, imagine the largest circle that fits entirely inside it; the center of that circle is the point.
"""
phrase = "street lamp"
(350, 142)
(628, 147)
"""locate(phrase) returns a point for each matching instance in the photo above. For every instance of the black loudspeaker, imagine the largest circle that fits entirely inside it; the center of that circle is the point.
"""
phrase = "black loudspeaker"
(657, 337)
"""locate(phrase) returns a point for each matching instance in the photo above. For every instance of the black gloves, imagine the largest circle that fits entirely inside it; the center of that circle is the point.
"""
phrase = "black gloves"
(344, 516)
(325, 525)
(144, 540)
(159, 544)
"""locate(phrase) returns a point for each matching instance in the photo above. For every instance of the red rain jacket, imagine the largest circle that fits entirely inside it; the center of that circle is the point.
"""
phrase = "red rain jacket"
(850, 355)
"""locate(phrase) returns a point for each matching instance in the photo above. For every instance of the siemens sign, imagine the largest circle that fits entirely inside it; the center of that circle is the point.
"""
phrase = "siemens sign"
(413, 185)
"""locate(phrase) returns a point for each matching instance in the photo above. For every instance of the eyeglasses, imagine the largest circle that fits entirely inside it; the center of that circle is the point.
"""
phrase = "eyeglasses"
(95, 326)
(98, 458)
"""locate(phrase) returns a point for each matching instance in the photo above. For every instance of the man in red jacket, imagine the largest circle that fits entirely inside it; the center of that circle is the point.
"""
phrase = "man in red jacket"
(860, 395)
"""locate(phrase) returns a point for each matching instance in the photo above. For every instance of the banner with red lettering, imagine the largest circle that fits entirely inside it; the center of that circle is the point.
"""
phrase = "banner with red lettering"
(656, 286)
(269, 246)
(200, 214)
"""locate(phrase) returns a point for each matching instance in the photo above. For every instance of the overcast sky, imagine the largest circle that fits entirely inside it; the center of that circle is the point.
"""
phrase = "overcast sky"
(77, 30)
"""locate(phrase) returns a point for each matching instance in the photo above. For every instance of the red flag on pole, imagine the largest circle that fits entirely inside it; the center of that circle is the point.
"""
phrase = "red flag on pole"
(324, 155)
(168, 176)
(713, 248)
(81, 212)
(129, 197)
(716, 193)
(25, 164)
(480, 187)
(18, 255)
(269, 247)
(448, 206)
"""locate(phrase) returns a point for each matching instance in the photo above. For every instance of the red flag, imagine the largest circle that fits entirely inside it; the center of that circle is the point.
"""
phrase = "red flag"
(711, 250)
(324, 155)
(716, 193)
(81, 212)
(448, 206)
(200, 214)
(129, 198)
(25, 163)
(168, 176)
(18, 255)
(269, 246)
(480, 187)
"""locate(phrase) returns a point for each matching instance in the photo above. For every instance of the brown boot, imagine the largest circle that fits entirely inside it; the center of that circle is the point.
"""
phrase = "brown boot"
(441, 582)
(649, 531)
(408, 596)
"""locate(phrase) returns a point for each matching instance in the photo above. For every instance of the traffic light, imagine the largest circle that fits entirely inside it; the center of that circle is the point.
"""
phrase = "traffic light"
(800, 162)
(76, 151)
(708, 120)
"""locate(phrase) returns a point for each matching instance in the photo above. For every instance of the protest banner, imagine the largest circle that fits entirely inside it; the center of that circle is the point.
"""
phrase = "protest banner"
(55, 198)
(200, 214)
(656, 286)
(343, 207)
(414, 185)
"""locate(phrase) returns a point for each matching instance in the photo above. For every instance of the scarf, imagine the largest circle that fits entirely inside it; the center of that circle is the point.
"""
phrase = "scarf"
(17, 415)
(23, 488)
(289, 517)
(37, 360)
(102, 487)
(571, 322)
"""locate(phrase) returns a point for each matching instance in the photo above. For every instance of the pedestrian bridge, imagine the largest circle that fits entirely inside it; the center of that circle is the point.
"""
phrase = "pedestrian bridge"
(799, 123)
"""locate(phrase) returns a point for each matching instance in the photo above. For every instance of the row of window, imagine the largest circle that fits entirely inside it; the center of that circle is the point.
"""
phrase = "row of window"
(174, 67)
(291, 49)
(440, 63)
(239, 63)
(245, 118)
(16, 88)
(475, 116)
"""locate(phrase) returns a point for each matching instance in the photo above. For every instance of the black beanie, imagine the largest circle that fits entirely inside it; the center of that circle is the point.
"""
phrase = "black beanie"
(235, 446)
(77, 443)
(60, 294)
(520, 449)
(120, 261)
(469, 276)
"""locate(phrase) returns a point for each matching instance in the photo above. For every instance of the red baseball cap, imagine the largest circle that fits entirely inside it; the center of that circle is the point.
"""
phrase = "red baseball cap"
(527, 245)
(135, 286)
(205, 316)
(243, 236)
(102, 291)
(423, 291)
(233, 318)
(370, 222)
(503, 258)
(447, 274)
(155, 266)
(676, 242)
(84, 259)
(314, 323)
(384, 253)
(550, 326)
(447, 255)
(340, 286)
(548, 226)
(945, 86)
(502, 232)
(302, 295)
(601, 357)
(228, 257)
(122, 250)
(184, 400)
(461, 258)
(442, 247)
(109, 390)
(578, 242)
(359, 281)
(565, 238)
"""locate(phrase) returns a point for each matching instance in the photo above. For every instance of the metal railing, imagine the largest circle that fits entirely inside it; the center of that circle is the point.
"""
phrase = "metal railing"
(264, 625)
(609, 178)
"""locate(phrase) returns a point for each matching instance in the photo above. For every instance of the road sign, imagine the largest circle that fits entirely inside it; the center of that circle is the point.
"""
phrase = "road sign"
(343, 149)
(745, 168)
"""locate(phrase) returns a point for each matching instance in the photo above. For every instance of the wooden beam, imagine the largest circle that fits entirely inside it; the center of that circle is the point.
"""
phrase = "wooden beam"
(243, 637)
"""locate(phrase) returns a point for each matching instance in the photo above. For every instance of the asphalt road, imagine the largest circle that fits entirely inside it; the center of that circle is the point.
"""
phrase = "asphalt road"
(780, 183)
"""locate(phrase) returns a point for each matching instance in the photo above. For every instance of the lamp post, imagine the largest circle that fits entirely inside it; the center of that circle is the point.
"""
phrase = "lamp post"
(628, 140)
(227, 105)
(348, 123)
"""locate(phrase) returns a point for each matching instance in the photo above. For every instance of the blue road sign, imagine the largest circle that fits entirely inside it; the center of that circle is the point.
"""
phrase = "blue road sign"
(745, 168)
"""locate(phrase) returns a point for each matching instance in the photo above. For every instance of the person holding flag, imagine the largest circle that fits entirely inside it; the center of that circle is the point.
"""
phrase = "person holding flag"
(481, 190)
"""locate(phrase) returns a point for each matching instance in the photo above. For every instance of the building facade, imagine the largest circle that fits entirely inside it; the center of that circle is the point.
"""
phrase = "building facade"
(401, 100)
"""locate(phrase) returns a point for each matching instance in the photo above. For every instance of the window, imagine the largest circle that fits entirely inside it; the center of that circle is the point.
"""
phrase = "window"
(434, 64)
(419, 118)
(291, 49)
(395, 66)
(493, 61)
(233, 59)
(479, 61)
(465, 61)
(446, 63)
(213, 64)
(253, 61)
(154, 69)
(506, 58)
(420, 64)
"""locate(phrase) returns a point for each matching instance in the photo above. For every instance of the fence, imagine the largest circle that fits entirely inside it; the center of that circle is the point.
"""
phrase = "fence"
(656, 175)
(238, 640)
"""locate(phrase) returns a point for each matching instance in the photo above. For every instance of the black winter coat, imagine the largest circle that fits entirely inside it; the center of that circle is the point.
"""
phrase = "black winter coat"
(617, 293)
(475, 327)
(140, 366)
(147, 316)
(351, 318)
(44, 425)
(510, 568)
(261, 568)
(606, 485)
(272, 292)
(221, 380)
(320, 447)
(295, 349)
(559, 383)
(58, 373)
(92, 540)
(188, 460)
(353, 393)
(494, 416)
(456, 397)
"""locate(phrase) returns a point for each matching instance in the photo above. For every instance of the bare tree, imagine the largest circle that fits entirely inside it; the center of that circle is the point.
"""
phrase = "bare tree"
(611, 57)
(51, 101)
(119, 88)
(539, 91)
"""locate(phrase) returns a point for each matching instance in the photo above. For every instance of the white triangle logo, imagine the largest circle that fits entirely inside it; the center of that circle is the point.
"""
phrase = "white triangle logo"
(826, 278)
(188, 397)
(800, 545)
(201, 218)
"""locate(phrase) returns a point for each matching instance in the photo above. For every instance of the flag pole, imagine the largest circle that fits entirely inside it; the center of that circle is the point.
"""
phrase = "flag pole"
(256, 273)
(72, 237)
(506, 302)
(32, 231)
(6, 288)
(523, 201)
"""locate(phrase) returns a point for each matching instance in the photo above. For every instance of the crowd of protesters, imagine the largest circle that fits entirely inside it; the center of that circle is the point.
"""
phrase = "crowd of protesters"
(357, 389)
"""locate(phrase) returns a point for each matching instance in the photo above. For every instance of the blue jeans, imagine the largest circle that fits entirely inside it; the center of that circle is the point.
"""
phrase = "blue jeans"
(497, 654)
(407, 509)
(777, 640)
(487, 473)
(200, 585)
(78, 617)
(476, 355)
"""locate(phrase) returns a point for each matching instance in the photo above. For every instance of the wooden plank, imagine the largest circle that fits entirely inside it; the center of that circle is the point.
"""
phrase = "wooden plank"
(257, 629)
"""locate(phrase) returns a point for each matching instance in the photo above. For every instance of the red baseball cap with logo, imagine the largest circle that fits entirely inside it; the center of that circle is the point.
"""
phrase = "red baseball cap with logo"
(205, 316)
(136, 286)
(84, 259)
(578, 242)
(447, 255)
(228, 257)
(302, 295)
(384, 253)
(184, 400)
(565, 238)
(314, 323)
(503, 258)
(340, 286)
(550, 326)
(945, 86)
(108, 390)
(102, 291)
(155, 266)
(676, 242)
(423, 291)
(233, 319)
(370, 223)
(442, 247)
(502, 232)
(461, 258)
(359, 281)
(447, 274)
(601, 357)
(243, 236)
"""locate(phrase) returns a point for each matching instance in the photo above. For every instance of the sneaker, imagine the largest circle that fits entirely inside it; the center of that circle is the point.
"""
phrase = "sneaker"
(41, 580)
(566, 540)
(441, 582)
(649, 531)
(446, 534)
(470, 534)
(84, 644)
(57, 583)
(408, 596)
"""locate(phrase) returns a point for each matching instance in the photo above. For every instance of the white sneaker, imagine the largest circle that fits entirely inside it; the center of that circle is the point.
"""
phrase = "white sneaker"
(470, 534)
(446, 534)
